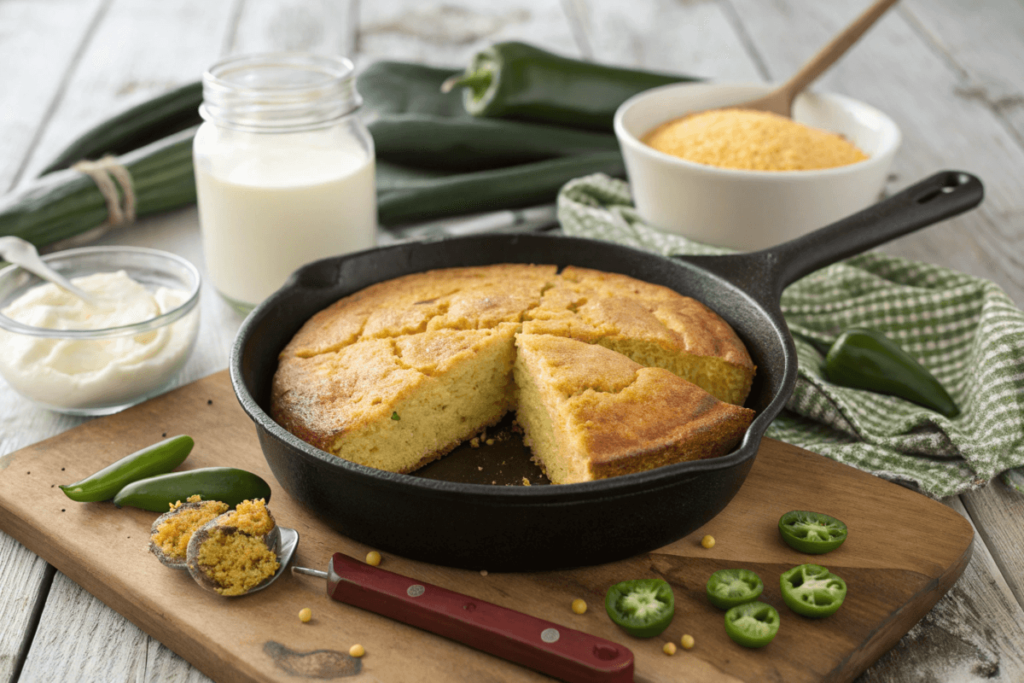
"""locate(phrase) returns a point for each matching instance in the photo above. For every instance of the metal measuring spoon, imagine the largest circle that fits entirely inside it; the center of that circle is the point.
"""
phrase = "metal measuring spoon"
(24, 254)
(287, 542)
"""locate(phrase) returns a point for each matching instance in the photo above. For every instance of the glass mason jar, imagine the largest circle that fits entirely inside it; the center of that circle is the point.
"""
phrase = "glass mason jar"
(284, 170)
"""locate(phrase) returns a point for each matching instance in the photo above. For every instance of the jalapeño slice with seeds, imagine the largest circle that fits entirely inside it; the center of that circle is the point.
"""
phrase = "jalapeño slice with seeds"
(730, 587)
(811, 590)
(752, 624)
(642, 607)
(813, 533)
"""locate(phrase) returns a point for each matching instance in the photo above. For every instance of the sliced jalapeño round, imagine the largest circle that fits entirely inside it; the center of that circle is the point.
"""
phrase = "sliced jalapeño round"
(812, 590)
(813, 533)
(642, 607)
(752, 624)
(730, 587)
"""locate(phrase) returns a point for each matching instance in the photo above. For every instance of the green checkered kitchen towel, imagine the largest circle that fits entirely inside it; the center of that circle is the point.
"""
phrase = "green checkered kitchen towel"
(962, 328)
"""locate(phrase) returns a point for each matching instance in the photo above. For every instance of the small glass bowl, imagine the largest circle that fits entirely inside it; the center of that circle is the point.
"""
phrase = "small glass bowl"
(26, 352)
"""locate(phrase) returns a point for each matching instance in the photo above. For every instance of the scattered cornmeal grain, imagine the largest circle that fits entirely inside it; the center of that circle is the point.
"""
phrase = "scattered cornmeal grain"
(669, 648)
(305, 615)
(483, 572)
(172, 536)
(579, 606)
(753, 141)
(687, 642)
(357, 650)
(373, 558)
(708, 541)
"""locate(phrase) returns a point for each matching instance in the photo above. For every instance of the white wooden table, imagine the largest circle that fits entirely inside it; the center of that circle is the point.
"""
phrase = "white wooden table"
(949, 72)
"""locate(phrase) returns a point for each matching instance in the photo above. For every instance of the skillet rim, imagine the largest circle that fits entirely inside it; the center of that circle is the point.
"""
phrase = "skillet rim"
(626, 484)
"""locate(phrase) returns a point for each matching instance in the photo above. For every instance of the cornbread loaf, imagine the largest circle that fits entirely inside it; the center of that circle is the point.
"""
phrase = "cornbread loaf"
(590, 413)
(400, 373)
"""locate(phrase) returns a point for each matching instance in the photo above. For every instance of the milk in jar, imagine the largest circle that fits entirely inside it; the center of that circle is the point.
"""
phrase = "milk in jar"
(284, 170)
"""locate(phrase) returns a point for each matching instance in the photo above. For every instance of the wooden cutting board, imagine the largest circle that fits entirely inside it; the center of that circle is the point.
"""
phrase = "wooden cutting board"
(903, 553)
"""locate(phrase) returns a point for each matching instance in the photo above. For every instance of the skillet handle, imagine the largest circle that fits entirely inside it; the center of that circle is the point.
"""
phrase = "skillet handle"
(934, 199)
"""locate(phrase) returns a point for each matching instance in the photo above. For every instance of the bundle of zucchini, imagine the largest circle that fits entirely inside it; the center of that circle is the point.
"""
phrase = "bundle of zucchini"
(436, 155)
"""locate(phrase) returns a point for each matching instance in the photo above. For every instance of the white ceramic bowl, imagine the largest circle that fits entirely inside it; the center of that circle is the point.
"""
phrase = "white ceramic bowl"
(35, 360)
(749, 210)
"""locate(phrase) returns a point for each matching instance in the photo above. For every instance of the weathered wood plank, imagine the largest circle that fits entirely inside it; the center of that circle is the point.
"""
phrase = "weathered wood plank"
(987, 51)
(446, 34)
(997, 510)
(898, 71)
(325, 27)
(21, 575)
(43, 38)
(106, 647)
(141, 49)
(973, 634)
(698, 39)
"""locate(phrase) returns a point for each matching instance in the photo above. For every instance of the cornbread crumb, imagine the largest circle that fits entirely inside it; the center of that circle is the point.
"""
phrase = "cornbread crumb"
(236, 562)
(489, 442)
(526, 482)
(751, 140)
(357, 650)
(250, 517)
(173, 534)
(373, 558)
(305, 615)
(483, 572)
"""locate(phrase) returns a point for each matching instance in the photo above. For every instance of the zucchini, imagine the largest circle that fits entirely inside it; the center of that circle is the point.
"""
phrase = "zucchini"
(67, 203)
(136, 127)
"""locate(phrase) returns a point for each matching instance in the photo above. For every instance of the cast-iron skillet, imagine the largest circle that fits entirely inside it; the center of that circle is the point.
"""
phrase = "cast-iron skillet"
(519, 528)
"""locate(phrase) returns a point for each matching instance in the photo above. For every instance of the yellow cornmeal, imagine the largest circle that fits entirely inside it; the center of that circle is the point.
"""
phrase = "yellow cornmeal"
(172, 536)
(236, 562)
(251, 517)
(751, 140)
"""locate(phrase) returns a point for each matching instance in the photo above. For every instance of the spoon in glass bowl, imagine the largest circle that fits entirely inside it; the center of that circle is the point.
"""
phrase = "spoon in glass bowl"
(24, 254)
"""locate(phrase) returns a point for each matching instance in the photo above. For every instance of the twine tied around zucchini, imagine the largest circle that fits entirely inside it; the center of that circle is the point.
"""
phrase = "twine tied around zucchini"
(104, 172)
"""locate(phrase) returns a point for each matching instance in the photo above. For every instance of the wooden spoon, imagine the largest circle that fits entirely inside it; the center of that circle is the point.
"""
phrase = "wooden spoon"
(780, 100)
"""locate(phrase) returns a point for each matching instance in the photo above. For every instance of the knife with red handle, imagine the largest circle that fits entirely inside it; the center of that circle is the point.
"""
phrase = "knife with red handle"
(544, 646)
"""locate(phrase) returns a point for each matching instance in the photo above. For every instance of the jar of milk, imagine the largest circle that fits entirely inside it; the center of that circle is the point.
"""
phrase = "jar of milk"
(284, 170)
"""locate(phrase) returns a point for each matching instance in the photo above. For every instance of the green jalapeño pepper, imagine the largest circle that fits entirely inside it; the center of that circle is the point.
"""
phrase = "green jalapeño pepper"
(226, 484)
(730, 587)
(516, 80)
(156, 459)
(811, 532)
(867, 359)
(752, 624)
(643, 607)
(812, 590)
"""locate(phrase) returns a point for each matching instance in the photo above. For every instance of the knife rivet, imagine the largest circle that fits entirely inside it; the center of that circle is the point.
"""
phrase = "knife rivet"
(416, 590)
(550, 635)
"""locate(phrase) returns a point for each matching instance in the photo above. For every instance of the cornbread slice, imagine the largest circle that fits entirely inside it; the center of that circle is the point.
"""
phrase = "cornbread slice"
(591, 413)
(653, 325)
(396, 404)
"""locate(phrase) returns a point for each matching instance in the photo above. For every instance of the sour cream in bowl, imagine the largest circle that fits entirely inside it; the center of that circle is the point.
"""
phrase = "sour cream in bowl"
(81, 359)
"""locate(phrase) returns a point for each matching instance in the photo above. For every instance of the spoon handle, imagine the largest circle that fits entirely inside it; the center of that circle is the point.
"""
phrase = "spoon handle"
(544, 646)
(835, 49)
(23, 254)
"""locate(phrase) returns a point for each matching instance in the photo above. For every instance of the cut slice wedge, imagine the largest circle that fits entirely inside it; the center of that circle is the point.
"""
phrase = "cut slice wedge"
(590, 413)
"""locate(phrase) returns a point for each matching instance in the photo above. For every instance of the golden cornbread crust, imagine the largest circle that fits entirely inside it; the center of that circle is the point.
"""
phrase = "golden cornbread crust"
(398, 374)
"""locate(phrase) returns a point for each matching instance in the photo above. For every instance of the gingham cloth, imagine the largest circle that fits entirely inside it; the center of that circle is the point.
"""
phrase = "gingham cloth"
(964, 329)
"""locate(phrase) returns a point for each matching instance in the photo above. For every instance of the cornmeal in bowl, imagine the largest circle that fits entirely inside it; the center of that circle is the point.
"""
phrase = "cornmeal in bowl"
(398, 374)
